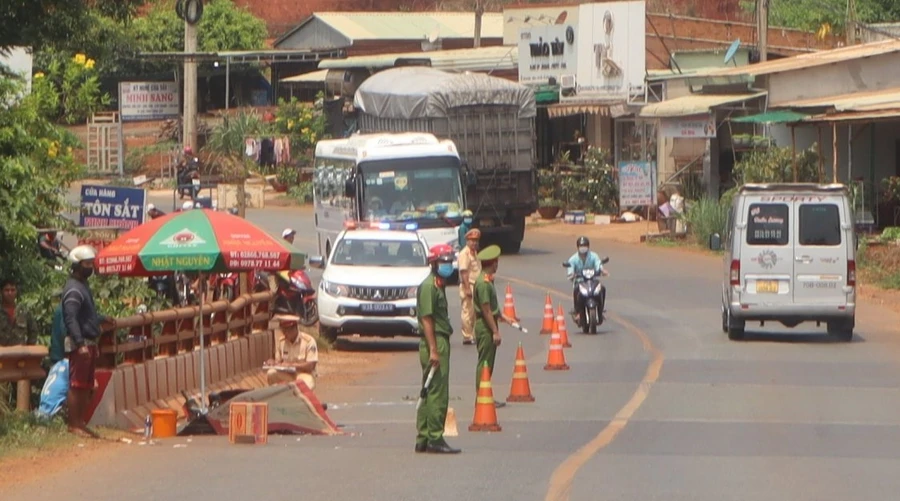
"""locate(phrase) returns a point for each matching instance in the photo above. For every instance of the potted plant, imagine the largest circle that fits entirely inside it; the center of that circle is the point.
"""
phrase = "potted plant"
(740, 140)
(549, 208)
(760, 141)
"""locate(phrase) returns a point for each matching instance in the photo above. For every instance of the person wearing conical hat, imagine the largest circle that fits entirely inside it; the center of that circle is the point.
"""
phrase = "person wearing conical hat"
(487, 313)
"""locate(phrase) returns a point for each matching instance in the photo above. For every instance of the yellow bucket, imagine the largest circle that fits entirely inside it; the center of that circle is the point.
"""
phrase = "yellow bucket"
(164, 421)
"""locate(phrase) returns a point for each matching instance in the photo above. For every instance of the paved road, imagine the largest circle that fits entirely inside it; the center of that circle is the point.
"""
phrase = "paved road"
(659, 405)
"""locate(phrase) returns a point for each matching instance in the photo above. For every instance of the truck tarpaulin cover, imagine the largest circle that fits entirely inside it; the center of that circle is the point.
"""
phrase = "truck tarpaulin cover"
(421, 92)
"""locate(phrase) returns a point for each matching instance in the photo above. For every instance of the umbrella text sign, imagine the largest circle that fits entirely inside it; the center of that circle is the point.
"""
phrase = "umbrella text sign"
(196, 240)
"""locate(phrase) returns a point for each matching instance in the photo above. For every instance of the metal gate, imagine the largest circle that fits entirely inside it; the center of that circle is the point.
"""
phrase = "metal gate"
(104, 144)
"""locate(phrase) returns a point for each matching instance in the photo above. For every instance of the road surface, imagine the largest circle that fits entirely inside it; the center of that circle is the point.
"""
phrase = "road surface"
(658, 406)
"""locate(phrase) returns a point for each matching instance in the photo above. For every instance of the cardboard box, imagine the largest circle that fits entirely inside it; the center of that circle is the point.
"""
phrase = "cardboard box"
(248, 423)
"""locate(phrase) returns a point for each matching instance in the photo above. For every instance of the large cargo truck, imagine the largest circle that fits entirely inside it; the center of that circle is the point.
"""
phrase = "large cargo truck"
(491, 122)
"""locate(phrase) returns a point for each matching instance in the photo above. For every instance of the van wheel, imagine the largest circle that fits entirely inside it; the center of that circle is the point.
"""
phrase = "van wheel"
(735, 328)
(842, 330)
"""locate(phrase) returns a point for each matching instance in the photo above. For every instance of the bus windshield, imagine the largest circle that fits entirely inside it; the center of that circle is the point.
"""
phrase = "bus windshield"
(411, 189)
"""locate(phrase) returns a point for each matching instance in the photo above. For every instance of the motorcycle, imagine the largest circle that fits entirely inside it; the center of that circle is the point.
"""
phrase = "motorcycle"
(164, 286)
(187, 295)
(592, 303)
(296, 295)
(225, 286)
(186, 176)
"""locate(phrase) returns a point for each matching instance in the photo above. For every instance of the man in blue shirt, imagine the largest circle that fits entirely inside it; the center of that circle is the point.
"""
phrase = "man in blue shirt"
(584, 258)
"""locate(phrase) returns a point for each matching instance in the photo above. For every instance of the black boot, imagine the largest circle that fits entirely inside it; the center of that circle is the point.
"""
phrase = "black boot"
(441, 447)
(421, 447)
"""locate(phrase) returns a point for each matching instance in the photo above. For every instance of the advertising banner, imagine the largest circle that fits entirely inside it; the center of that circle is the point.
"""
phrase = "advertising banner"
(636, 184)
(701, 126)
(546, 52)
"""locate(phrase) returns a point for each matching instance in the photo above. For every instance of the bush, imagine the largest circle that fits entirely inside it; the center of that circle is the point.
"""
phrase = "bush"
(775, 165)
(594, 187)
(302, 193)
(705, 217)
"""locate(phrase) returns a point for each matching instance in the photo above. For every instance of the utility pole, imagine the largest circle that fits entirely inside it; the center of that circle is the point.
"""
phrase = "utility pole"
(479, 13)
(762, 29)
(851, 23)
(189, 136)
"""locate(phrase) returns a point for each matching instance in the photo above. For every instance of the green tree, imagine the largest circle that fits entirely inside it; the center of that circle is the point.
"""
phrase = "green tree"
(50, 23)
(224, 26)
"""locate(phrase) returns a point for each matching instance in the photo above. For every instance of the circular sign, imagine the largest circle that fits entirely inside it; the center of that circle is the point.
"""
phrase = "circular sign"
(570, 35)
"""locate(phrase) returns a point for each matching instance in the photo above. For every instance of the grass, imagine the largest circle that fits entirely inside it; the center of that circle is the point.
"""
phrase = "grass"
(20, 432)
(880, 264)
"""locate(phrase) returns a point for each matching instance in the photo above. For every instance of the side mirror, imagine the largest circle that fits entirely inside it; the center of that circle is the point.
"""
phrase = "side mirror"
(471, 179)
(604, 260)
(350, 188)
(715, 242)
(566, 264)
(317, 262)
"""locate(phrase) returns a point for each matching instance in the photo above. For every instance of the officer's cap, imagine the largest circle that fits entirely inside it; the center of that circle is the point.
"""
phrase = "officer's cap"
(287, 320)
(489, 253)
(473, 234)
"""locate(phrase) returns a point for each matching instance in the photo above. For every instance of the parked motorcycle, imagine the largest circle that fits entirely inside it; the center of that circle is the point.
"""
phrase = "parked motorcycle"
(296, 295)
(592, 302)
(164, 286)
(187, 295)
(225, 286)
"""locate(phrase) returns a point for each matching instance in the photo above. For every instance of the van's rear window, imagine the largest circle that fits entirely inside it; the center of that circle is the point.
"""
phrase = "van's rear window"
(767, 224)
(820, 224)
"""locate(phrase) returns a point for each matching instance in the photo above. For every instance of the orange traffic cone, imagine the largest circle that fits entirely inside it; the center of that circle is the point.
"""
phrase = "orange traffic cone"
(509, 305)
(520, 389)
(548, 326)
(485, 411)
(561, 327)
(556, 359)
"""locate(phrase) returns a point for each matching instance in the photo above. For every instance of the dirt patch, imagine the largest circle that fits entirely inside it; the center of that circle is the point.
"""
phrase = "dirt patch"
(619, 232)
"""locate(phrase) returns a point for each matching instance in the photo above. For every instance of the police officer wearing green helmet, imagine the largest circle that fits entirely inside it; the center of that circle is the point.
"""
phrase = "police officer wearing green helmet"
(487, 313)
(434, 351)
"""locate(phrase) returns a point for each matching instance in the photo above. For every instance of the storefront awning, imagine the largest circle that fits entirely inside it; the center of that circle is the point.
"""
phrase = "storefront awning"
(772, 117)
(602, 108)
(694, 104)
(311, 77)
(546, 94)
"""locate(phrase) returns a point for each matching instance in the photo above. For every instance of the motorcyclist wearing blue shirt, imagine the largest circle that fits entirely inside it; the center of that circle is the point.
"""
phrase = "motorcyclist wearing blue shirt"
(584, 258)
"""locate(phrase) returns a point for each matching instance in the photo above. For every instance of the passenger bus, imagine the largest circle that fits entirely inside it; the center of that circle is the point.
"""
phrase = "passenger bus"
(408, 180)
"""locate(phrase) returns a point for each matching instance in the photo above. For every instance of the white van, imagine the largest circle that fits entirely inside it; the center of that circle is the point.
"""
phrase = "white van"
(790, 257)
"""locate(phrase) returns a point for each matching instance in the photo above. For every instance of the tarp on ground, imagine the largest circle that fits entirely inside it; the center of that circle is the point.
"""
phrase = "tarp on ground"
(412, 92)
(293, 408)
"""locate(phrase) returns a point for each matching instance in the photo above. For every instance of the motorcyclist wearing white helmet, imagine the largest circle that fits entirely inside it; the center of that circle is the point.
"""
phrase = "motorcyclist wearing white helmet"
(82, 324)
(583, 258)
(288, 234)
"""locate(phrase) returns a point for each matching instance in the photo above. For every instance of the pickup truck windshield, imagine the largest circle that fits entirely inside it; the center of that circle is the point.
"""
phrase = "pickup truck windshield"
(360, 252)
(411, 189)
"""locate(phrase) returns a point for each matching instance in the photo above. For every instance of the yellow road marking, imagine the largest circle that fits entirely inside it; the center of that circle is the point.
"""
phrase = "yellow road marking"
(560, 486)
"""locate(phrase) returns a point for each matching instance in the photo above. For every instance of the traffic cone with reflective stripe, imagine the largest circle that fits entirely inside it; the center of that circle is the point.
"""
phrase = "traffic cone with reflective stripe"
(561, 327)
(450, 424)
(556, 359)
(485, 411)
(548, 326)
(509, 305)
(520, 389)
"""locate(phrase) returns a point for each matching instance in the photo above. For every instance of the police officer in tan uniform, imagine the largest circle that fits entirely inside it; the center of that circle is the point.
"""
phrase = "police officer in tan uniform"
(296, 355)
(469, 269)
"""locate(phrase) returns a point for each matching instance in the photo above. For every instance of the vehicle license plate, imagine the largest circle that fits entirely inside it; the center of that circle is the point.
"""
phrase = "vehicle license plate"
(767, 286)
(376, 307)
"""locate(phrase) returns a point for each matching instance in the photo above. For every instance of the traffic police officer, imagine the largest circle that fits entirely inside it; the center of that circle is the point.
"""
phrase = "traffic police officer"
(434, 351)
(487, 313)
(469, 269)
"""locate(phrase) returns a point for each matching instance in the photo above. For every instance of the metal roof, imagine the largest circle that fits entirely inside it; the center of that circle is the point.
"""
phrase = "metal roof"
(670, 74)
(317, 76)
(406, 25)
(811, 60)
(854, 101)
(245, 56)
(856, 116)
(694, 104)
(480, 59)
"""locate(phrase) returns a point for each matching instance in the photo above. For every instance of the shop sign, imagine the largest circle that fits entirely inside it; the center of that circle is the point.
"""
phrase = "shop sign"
(636, 183)
(701, 126)
(611, 48)
(546, 52)
(112, 206)
(148, 101)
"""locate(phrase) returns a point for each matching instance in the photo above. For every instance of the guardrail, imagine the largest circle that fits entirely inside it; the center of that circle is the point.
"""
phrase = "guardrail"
(168, 333)
(22, 364)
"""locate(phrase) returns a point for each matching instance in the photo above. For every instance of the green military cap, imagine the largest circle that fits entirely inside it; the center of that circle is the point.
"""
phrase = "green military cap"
(489, 253)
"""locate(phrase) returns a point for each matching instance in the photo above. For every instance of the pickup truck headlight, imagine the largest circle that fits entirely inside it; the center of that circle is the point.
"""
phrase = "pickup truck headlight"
(412, 292)
(334, 289)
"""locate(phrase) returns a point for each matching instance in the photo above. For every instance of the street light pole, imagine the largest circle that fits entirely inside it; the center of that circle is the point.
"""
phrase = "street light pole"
(190, 86)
